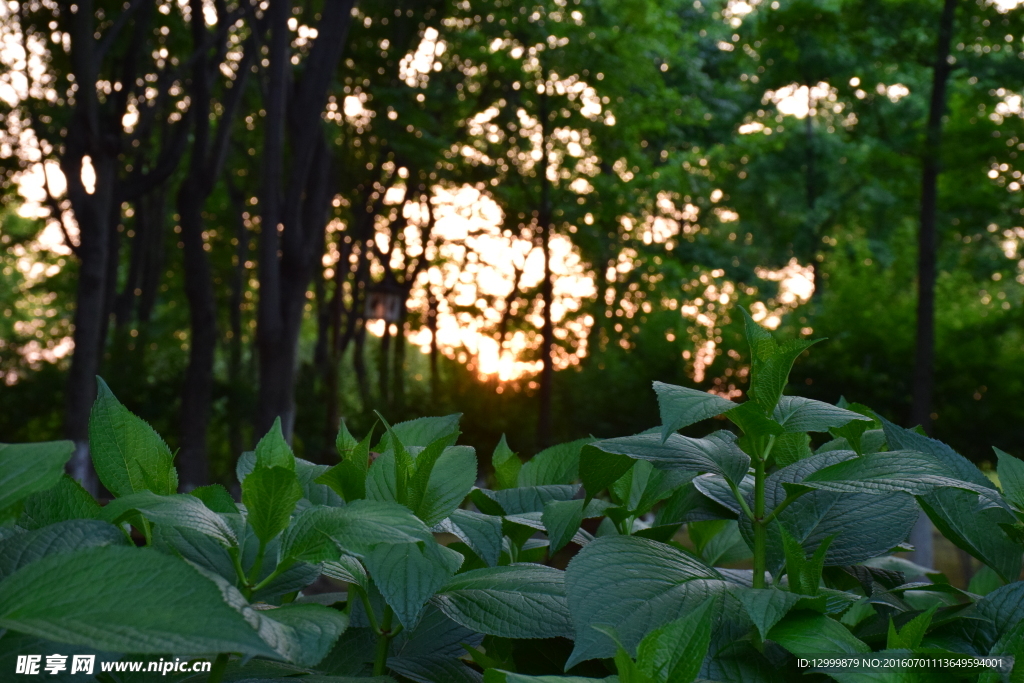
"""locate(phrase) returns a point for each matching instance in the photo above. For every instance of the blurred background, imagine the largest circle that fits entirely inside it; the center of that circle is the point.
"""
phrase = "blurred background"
(239, 210)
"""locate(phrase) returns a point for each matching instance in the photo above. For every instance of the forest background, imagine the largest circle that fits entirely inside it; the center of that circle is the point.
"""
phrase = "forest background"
(523, 212)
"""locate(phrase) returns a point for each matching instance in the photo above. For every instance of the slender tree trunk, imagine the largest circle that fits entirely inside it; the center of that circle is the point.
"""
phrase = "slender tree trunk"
(547, 286)
(432, 326)
(236, 440)
(927, 245)
(294, 218)
(924, 357)
(398, 366)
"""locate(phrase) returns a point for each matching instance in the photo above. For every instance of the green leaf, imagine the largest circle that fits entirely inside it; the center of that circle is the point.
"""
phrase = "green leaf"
(887, 472)
(353, 451)
(675, 652)
(127, 454)
(806, 634)
(912, 632)
(514, 601)
(199, 549)
(637, 585)
(1011, 477)
(345, 479)
(60, 537)
(348, 569)
(179, 510)
(480, 532)
(769, 380)
(506, 465)
(955, 464)
(1004, 607)
(158, 603)
(316, 493)
(556, 465)
(28, 468)
(797, 414)
(767, 606)
(751, 418)
(421, 432)
(269, 495)
(528, 498)
(681, 407)
(966, 520)
(441, 488)
(562, 519)
(321, 533)
(790, 448)
(311, 631)
(273, 450)
(217, 498)
(408, 574)
(599, 469)
(716, 453)
(65, 501)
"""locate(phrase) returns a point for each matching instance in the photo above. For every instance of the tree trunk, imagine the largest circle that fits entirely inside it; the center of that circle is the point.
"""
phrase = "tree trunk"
(547, 286)
(924, 357)
(293, 221)
(236, 440)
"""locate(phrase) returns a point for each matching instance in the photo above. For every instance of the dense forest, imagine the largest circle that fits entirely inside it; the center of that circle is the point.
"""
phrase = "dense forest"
(236, 211)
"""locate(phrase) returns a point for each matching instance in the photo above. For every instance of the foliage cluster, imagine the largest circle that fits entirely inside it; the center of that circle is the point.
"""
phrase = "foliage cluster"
(445, 581)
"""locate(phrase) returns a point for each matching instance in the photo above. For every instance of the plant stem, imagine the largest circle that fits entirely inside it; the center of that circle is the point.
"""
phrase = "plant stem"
(281, 568)
(217, 670)
(383, 640)
(254, 573)
(760, 526)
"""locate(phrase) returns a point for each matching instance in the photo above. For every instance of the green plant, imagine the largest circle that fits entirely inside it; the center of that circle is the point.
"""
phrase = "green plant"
(446, 581)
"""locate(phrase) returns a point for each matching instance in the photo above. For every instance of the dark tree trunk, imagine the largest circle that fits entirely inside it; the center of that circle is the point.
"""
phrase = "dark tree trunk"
(432, 326)
(383, 369)
(294, 218)
(204, 168)
(236, 440)
(924, 357)
(547, 286)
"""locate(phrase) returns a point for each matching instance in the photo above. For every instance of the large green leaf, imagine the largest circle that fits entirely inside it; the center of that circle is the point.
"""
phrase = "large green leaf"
(269, 495)
(681, 407)
(675, 652)
(888, 472)
(767, 606)
(556, 465)
(310, 631)
(65, 501)
(421, 432)
(861, 525)
(716, 453)
(322, 533)
(480, 532)
(636, 585)
(971, 524)
(959, 467)
(217, 498)
(125, 600)
(1011, 477)
(506, 465)
(448, 483)
(797, 414)
(643, 486)
(27, 468)
(806, 634)
(600, 469)
(127, 454)
(562, 519)
(514, 601)
(432, 651)
(199, 549)
(273, 450)
(528, 498)
(61, 537)
(408, 574)
(180, 510)
(1004, 607)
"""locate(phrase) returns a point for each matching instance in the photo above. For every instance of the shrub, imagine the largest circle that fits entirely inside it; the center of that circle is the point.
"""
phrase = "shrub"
(224, 580)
